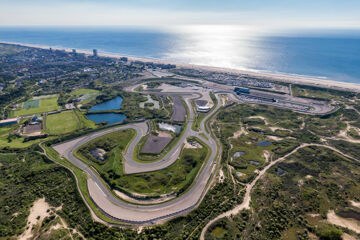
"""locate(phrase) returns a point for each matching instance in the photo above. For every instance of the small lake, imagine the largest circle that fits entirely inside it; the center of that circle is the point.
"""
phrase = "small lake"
(263, 143)
(113, 104)
(110, 118)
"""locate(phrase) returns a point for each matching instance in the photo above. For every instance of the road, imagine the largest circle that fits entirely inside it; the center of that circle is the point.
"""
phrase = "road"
(146, 214)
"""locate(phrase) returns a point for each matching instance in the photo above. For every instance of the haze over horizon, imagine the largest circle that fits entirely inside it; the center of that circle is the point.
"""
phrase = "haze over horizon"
(258, 13)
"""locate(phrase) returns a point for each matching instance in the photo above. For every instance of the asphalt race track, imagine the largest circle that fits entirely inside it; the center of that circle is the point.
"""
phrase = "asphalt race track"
(146, 214)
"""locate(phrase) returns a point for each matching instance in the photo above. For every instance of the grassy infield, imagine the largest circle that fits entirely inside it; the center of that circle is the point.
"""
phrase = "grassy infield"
(145, 157)
(114, 161)
(172, 179)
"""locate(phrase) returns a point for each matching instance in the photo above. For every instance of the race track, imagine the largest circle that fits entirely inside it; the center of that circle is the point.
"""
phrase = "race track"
(146, 214)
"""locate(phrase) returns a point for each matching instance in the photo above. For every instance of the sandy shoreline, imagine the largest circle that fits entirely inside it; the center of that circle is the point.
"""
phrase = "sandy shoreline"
(289, 78)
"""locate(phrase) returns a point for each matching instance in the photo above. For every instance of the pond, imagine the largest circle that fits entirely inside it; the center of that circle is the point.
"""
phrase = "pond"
(263, 143)
(280, 171)
(256, 131)
(113, 104)
(110, 118)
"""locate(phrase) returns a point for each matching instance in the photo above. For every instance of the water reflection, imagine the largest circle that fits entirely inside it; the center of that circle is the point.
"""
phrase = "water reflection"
(218, 46)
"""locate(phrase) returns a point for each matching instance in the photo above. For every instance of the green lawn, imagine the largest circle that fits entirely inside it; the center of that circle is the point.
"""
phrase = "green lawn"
(198, 119)
(114, 144)
(31, 104)
(85, 123)
(61, 123)
(175, 178)
(83, 91)
(15, 142)
(29, 107)
(45, 96)
(88, 94)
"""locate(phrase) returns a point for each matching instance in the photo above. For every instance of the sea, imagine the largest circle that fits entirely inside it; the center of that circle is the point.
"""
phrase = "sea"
(328, 54)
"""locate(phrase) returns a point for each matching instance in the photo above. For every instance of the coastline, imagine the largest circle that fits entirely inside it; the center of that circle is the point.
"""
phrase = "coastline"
(282, 77)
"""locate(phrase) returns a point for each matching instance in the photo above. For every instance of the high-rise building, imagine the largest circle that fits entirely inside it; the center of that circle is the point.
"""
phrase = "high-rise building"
(74, 51)
(95, 54)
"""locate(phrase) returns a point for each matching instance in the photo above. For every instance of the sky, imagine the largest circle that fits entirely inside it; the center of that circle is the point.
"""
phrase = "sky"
(263, 13)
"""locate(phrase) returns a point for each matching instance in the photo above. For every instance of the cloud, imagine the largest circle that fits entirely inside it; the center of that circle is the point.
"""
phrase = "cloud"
(156, 13)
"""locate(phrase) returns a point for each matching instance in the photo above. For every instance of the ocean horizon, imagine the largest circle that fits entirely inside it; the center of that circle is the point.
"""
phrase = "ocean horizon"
(324, 54)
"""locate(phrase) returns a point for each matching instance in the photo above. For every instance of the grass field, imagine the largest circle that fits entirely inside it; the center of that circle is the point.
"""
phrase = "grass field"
(88, 94)
(63, 122)
(15, 142)
(175, 178)
(198, 119)
(84, 122)
(83, 91)
(45, 96)
(31, 104)
(114, 143)
(36, 106)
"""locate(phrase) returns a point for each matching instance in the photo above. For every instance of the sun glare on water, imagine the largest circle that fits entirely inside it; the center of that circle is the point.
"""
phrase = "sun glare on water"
(215, 45)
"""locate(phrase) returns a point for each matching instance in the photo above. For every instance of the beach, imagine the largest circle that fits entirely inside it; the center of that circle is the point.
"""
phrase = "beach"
(288, 78)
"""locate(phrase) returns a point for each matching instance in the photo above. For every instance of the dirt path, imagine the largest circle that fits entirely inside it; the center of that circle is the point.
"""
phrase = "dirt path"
(239, 133)
(247, 198)
(259, 117)
(351, 107)
(343, 222)
(343, 135)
